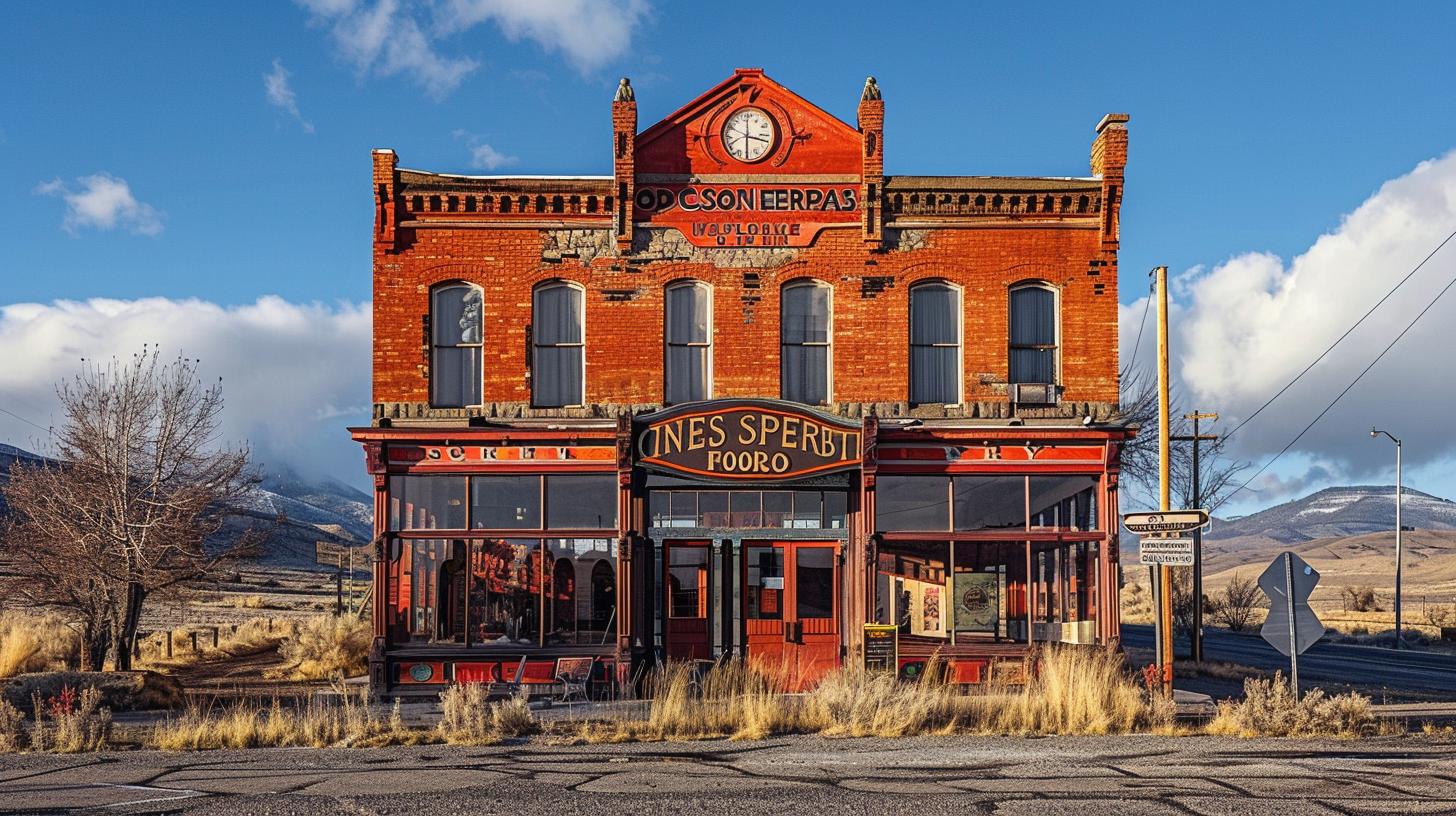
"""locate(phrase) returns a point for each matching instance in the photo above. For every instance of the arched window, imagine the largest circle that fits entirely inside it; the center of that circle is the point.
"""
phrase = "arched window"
(935, 344)
(558, 368)
(1033, 334)
(689, 342)
(455, 329)
(805, 342)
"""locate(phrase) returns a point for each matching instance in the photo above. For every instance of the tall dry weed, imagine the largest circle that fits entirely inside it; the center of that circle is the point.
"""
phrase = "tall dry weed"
(32, 643)
(467, 717)
(12, 728)
(70, 722)
(1269, 709)
(311, 723)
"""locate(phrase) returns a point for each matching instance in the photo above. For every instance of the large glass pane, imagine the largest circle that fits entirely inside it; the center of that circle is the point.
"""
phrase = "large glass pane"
(912, 503)
(804, 317)
(765, 584)
(990, 502)
(1033, 317)
(935, 377)
(1063, 501)
(745, 509)
(814, 582)
(836, 509)
(557, 315)
(935, 314)
(805, 374)
(426, 502)
(581, 595)
(687, 373)
(778, 508)
(687, 582)
(687, 313)
(505, 592)
(556, 378)
(712, 508)
(581, 501)
(505, 502)
(435, 587)
(456, 377)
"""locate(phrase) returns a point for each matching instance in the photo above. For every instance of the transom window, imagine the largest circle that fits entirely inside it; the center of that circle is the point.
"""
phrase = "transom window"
(689, 342)
(935, 344)
(455, 340)
(1033, 334)
(806, 344)
(558, 367)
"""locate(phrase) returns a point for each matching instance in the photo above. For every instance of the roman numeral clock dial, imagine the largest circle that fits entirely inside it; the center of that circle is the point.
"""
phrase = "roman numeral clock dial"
(748, 135)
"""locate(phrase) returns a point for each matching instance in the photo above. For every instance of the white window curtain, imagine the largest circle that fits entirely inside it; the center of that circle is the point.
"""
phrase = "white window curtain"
(689, 342)
(455, 361)
(935, 344)
(1033, 335)
(558, 336)
(805, 342)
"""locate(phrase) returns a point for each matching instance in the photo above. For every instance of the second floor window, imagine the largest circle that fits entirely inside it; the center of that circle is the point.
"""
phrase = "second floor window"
(689, 342)
(455, 358)
(558, 366)
(1033, 333)
(935, 344)
(805, 346)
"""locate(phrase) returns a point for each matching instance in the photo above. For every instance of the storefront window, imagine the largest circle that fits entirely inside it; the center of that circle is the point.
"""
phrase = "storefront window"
(505, 502)
(505, 588)
(581, 501)
(990, 502)
(814, 582)
(952, 592)
(750, 509)
(687, 582)
(1068, 502)
(581, 603)
(427, 502)
(912, 503)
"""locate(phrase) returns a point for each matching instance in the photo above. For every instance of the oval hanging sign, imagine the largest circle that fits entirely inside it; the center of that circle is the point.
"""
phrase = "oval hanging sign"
(746, 440)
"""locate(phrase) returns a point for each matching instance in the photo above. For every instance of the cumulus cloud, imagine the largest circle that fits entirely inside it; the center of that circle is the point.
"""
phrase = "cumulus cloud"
(482, 155)
(102, 202)
(280, 93)
(400, 37)
(294, 375)
(1245, 327)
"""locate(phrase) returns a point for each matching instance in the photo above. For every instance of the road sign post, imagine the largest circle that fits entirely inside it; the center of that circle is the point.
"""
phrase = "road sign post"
(1160, 551)
(1292, 627)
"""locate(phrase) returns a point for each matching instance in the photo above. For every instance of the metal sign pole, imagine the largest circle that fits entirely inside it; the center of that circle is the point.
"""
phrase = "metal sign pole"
(1289, 605)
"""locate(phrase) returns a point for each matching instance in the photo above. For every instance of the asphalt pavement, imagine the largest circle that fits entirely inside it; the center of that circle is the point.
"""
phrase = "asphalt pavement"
(1387, 675)
(1077, 776)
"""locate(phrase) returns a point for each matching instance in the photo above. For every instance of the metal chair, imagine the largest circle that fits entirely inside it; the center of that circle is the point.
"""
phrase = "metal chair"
(573, 681)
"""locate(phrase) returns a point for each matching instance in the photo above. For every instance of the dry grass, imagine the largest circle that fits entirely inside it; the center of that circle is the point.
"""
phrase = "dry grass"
(32, 643)
(1136, 604)
(326, 647)
(468, 719)
(12, 728)
(313, 724)
(249, 638)
(1269, 709)
(71, 722)
(1074, 691)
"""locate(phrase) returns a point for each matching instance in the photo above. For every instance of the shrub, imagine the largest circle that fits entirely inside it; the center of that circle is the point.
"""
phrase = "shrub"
(1358, 598)
(12, 728)
(325, 647)
(468, 719)
(32, 643)
(1235, 606)
(1269, 709)
(71, 722)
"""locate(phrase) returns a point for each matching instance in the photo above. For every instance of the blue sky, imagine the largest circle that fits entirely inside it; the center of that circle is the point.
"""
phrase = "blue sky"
(1256, 128)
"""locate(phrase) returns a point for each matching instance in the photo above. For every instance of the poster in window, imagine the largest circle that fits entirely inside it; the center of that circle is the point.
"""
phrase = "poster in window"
(976, 604)
(927, 608)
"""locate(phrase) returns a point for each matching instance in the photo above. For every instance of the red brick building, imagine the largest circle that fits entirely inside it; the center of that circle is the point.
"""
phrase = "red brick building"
(748, 395)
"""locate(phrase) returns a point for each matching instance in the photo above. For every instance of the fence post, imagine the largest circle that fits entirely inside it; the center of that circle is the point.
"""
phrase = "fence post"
(192, 636)
(167, 636)
(214, 636)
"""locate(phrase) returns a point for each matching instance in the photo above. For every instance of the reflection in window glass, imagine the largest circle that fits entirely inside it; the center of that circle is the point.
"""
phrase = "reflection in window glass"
(712, 509)
(426, 502)
(814, 582)
(505, 502)
(990, 502)
(581, 501)
(778, 508)
(745, 509)
(505, 591)
(687, 582)
(912, 503)
(1064, 501)
(765, 584)
(836, 509)
(581, 595)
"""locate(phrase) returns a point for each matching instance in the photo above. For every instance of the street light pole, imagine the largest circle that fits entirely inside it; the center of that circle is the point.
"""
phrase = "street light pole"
(1399, 560)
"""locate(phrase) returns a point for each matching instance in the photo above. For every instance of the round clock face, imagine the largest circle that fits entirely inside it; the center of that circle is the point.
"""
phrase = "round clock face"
(748, 135)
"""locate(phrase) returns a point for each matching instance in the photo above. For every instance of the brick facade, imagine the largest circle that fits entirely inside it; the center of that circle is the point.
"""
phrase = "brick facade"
(983, 234)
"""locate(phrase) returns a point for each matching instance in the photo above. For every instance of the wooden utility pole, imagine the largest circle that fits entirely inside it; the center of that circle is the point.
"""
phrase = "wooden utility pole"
(1164, 575)
(1196, 636)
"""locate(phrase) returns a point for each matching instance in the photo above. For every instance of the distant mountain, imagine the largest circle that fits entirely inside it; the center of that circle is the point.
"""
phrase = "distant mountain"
(1337, 512)
(313, 510)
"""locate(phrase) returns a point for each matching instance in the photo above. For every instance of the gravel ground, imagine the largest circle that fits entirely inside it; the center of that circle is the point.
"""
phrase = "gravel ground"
(926, 775)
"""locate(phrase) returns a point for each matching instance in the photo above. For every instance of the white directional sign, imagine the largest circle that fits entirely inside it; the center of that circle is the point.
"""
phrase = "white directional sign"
(1167, 521)
(1172, 552)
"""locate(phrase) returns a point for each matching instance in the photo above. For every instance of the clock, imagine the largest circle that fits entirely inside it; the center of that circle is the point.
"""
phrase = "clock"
(748, 135)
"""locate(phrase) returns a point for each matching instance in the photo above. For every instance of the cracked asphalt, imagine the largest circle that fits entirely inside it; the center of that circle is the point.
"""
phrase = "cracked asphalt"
(925, 775)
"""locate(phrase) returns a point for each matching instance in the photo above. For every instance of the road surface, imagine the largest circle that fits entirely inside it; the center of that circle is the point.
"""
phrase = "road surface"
(1402, 675)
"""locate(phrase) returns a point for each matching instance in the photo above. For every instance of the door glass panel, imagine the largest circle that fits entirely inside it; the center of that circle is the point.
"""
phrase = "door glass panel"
(687, 582)
(765, 584)
(814, 582)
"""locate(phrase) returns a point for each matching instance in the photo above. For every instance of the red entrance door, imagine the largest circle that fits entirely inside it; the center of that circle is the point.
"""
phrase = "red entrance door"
(686, 578)
(791, 609)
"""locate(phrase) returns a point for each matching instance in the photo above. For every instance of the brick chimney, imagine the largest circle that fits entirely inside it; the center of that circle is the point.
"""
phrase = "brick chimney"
(624, 149)
(871, 123)
(385, 184)
(1109, 158)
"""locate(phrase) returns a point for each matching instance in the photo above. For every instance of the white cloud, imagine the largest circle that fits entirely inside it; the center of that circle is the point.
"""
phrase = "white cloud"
(403, 37)
(102, 202)
(1247, 326)
(482, 155)
(280, 93)
(294, 375)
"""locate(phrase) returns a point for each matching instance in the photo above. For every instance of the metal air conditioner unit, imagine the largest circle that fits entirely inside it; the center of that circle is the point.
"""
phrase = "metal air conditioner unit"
(1033, 394)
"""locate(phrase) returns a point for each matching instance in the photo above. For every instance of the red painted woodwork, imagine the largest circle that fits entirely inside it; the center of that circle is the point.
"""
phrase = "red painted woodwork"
(787, 631)
(686, 579)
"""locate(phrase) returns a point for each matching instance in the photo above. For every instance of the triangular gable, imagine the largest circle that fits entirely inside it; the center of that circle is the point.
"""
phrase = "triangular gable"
(808, 140)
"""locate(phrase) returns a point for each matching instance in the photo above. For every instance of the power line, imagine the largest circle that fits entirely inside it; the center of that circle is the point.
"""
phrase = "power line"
(1137, 344)
(23, 419)
(1347, 388)
(1338, 340)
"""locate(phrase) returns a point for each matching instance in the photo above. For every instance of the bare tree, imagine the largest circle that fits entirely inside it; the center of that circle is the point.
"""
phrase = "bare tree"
(1218, 474)
(1235, 606)
(126, 508)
